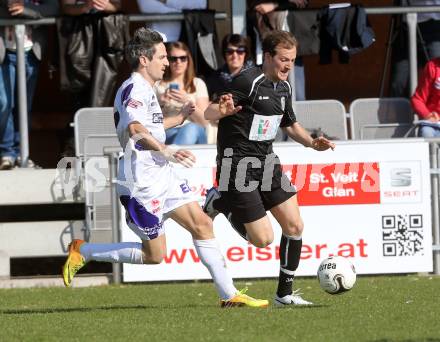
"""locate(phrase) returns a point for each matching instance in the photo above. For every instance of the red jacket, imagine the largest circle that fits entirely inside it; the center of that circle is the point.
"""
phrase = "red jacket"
(426, 98)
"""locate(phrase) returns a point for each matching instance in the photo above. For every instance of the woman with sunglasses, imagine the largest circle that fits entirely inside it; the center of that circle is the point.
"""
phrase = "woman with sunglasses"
(237, 58)
(179, 85)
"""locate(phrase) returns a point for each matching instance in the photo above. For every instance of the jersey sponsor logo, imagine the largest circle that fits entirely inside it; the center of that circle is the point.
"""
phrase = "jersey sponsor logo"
(134, 103)
(263, 97)
(157, 118)
(264, 127)
(185, 188)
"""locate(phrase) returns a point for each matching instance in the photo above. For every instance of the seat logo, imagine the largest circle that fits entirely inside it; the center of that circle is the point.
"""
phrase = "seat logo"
(400, 176)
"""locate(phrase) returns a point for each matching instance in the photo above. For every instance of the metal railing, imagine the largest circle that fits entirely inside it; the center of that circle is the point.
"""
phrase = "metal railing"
(19, 26)
(239, 21)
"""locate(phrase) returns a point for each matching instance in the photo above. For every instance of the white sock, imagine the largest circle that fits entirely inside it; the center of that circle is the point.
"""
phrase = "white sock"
(128, 252)
(210, 255)
(293, 237)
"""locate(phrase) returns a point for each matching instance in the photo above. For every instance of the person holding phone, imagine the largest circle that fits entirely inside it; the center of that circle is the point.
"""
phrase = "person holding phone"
(179, 85)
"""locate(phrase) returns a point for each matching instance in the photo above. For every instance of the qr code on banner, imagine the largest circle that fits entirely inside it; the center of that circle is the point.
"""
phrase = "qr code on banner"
(402, 235)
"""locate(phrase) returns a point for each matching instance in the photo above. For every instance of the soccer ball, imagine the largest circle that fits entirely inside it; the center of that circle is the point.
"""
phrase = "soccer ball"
(336, 275)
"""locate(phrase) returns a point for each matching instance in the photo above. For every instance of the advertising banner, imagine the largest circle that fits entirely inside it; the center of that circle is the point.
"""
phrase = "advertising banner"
(367, 201)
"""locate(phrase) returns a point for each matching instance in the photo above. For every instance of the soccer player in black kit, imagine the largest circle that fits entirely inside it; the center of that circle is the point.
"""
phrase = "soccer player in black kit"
(249, 176)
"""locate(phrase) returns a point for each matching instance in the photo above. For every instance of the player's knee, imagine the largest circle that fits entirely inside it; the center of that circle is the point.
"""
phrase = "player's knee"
(152, 259)
(294, 228)
(262, 241)
(202, 229)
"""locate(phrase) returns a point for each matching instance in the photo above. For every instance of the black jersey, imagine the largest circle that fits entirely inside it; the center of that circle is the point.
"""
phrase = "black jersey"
(266, 106)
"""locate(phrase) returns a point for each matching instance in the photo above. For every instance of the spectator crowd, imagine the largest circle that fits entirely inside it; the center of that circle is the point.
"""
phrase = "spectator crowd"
(200, 65)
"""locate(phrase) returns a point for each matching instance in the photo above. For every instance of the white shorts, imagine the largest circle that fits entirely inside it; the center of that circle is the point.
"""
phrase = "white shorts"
(147, 207)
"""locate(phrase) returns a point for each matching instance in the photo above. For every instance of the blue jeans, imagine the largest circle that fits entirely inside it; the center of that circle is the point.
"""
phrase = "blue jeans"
(188, 134)
(429, 132)
(9, 124)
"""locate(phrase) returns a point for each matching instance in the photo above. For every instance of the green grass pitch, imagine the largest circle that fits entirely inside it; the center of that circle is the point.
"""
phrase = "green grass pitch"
(383, 308)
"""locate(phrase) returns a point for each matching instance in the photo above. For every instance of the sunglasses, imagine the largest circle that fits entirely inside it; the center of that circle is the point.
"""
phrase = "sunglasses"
(173, 59)
(240, 51)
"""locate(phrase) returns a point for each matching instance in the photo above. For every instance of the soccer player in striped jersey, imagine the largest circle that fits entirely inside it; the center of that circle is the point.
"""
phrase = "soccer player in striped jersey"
(148, 186)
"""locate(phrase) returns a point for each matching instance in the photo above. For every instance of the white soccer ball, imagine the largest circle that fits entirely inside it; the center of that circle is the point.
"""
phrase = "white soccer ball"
(336, 274)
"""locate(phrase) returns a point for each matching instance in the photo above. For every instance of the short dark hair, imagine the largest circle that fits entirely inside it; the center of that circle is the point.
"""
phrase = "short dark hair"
(143, 43)
(278, 38)
(236, 40)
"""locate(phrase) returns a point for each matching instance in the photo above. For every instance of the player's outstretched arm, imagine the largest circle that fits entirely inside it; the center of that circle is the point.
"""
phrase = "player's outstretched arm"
(299, 134)
(223, 108)
(143, 137)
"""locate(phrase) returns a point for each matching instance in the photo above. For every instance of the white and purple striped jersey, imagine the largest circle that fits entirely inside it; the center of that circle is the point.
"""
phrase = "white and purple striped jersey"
(136, 102)
(147, 185)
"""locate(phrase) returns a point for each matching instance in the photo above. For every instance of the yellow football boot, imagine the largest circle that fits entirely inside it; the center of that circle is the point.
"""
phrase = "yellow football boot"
(75, 261)
(242, 299)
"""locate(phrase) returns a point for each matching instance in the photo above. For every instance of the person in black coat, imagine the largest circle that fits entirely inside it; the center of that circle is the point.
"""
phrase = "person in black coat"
(237, 56)
(236, 53)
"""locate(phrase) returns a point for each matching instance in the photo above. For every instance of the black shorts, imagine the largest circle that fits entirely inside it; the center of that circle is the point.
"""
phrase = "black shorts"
(251, 206)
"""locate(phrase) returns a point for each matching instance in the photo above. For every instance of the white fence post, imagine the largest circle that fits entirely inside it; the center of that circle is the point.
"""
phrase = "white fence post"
(5, 269)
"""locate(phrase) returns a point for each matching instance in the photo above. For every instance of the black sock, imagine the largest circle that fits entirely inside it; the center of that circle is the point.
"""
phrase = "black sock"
(290, 253)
